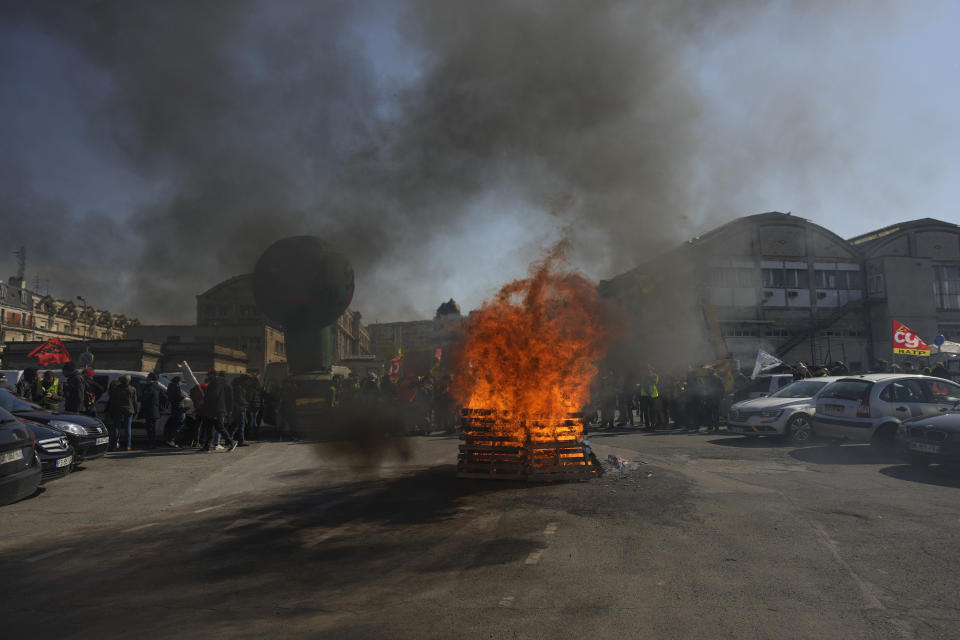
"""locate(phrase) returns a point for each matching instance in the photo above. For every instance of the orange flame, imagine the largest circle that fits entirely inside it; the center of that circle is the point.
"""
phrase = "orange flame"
(529, 354)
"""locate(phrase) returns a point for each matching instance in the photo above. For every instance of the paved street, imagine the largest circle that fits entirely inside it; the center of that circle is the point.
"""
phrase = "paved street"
(710, 537)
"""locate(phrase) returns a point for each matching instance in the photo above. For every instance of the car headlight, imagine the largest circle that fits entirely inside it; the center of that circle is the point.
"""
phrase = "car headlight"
(771, 413)
(69, 427)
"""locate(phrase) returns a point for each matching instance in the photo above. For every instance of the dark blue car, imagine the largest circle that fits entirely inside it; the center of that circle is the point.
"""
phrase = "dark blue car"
(926, 440)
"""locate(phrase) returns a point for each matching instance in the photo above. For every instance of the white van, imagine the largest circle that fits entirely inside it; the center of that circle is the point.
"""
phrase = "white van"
(764, 385)
(105, 377)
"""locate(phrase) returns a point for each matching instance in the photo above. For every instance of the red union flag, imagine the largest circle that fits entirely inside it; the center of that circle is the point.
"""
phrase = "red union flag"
(394, 372)
(50, 352)
(906, 342)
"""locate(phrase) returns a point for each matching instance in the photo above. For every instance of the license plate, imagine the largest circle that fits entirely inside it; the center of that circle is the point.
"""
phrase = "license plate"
(101, 441)
(11, 456)
(833, 409)
(923, 447)
(62, 462)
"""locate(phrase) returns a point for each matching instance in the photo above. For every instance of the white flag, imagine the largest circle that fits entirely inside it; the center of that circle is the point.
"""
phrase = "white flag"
(764, 361)
(950, 347)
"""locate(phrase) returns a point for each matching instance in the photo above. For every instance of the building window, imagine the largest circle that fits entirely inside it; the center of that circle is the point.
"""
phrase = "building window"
(875, 284)
(825, 279)
(719, 277)
(797, 278)
(946, 286)
(837, 279)
(773, 278)
(949, 331)
(738, 332)
(3, 292)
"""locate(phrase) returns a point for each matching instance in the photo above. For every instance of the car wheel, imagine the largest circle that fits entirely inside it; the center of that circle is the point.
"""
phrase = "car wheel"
(919, 462)
(885, 439)
(799, 429)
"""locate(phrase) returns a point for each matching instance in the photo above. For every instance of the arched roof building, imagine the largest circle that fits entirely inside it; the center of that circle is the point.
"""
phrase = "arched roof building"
(772, 281)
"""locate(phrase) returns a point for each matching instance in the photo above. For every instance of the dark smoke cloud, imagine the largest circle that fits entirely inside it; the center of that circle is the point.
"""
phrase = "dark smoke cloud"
(270, 119)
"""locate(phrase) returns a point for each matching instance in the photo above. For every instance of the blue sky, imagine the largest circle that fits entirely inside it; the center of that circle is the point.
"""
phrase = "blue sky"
(843, 113)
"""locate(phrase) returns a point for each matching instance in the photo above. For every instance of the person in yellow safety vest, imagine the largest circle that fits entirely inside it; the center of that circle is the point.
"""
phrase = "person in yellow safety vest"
(653, 391)
(649, 397)
(48, 390)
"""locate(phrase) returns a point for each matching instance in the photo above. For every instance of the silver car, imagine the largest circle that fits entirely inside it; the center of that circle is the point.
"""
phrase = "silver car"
(869, 408)
(786, 413)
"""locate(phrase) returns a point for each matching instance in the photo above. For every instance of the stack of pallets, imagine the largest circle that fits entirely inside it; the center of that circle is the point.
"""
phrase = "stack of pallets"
(542, 455)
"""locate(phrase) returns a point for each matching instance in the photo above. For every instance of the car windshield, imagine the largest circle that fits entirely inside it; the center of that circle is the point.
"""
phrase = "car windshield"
(800, 389)
(12, 403)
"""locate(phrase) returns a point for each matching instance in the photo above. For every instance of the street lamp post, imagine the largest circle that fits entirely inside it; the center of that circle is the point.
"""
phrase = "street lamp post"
(83, 301)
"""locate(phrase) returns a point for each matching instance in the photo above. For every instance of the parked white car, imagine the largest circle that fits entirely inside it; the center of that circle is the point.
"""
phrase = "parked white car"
(870, 408)
(786, 413)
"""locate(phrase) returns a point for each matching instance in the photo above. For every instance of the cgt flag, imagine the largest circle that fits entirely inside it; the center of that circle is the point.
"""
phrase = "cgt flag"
(906, 342)
(50, 352)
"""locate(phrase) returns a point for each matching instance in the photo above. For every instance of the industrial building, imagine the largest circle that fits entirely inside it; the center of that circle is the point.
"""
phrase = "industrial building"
(778, 282)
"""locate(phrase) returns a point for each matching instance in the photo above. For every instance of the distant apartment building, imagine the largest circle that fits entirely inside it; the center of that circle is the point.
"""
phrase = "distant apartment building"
(417, 338)
(26, 315)
(228, 316)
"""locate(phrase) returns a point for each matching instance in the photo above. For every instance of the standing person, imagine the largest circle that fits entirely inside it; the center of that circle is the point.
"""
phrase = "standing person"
(714, 395)
(92, 391)
(228, 401)
(27, 385)
(741, 386)
(653, 395)
(214, 411)
(177, 414)
(49, 392)
(197, 396)
(643, 402)
(254, 404)
(75, 390)
(692, 395)
(121, 407)
(150, 408)
(240, 405)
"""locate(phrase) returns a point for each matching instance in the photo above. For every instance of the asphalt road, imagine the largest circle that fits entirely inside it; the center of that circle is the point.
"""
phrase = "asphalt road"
(709, 537)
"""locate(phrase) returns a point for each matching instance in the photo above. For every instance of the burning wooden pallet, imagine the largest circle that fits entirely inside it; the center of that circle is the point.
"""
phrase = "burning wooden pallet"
(542, 455)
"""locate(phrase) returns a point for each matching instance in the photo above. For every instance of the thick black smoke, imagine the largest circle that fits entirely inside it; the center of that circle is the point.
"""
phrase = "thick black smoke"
(270, 119)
